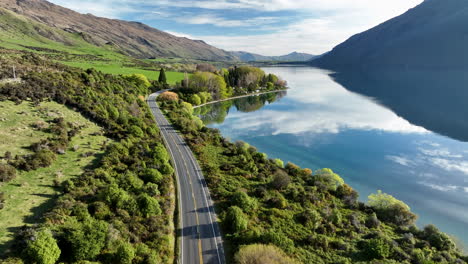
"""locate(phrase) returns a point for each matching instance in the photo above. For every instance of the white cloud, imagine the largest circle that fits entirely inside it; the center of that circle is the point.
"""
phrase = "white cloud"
(441, 152)
(321, 24)
(221, 22)
(442, 188)
(451, 165)
(400, 160)
(326, 107)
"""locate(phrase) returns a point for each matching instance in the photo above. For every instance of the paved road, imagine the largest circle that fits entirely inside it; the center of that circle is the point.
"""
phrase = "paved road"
(200, 237)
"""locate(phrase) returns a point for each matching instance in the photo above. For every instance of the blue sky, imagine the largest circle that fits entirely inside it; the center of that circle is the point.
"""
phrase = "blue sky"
(268, 27)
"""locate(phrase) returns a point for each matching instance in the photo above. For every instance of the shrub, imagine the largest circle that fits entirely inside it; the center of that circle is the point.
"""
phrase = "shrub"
(279, 163)
(151, 175)
(236, 219)
(438, 239)
(377, 248)
(195, 99)
(259, 254)
(138, 79)
(87, 239)
(136, 131)
(280, 180)
(7, 172)
(168, 96)
(149, 206)
(244, 201)
(390, 209)
(43, 248)
(124, 254)
(331, 180)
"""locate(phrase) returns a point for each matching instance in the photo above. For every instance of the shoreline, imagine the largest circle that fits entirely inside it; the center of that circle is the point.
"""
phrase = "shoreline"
(237, 97)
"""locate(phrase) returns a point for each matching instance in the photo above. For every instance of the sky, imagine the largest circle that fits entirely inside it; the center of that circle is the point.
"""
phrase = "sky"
(267, 27)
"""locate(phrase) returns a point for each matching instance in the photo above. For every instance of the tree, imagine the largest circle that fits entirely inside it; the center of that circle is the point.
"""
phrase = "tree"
(209, 82)
(236, 218)
(377, 248)
(139, 79)
(438, 239)
(280, 180)
(125, 253)
(331, 180)
(87, 239)
(262, 254)
(206, 67)
(195, 100)
(162, 76)
(244, 201)
(390, 209)
(43, 249)
(149, 206)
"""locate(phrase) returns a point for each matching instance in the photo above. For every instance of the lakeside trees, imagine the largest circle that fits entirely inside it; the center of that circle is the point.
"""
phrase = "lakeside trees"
(314, 217)
(211, 84)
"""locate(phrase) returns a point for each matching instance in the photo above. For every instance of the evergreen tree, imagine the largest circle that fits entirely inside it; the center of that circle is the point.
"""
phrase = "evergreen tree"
(162, 76)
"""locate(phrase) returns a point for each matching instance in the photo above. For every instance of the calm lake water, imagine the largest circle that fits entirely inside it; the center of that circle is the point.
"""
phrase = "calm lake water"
(321, 124)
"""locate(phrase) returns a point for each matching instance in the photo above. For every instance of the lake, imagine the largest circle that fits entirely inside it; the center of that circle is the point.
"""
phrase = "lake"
(395, 132)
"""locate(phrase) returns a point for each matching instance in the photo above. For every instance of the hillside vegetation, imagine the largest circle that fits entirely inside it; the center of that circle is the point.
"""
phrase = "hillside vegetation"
(32, 193)
(313, 216)
(130, 38)
(120, 209)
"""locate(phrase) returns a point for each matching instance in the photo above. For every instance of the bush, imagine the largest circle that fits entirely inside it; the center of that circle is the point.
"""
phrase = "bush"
(262, 254)
(7, 172)
(438, 239)
(125, 253)
(244, 201)
(331, 180)
(377, 248)
(152, 175)
(149, 206)
(168, 96)
(87, 239)
(280, 180)
(138, 79)
(43, 248)
(390, 209)
(195, 99)
(236, 219)
(136, 131)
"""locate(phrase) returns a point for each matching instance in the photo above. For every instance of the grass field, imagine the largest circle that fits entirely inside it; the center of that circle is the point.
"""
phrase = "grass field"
(116, 68)
(32, 193)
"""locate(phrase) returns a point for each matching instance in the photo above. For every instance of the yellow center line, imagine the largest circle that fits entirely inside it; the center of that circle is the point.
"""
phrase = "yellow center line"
(200, 251)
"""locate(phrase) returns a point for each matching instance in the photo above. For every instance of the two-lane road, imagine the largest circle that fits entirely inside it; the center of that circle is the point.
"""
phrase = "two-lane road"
(201, 240)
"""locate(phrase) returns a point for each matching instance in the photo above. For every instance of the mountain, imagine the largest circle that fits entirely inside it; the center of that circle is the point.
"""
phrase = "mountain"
(131, 38)
(294, 56)
(432, 35)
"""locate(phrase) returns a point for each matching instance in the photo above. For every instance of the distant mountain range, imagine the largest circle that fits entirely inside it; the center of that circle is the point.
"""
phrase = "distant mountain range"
(432, 35)
(252, 57)
(42, 19)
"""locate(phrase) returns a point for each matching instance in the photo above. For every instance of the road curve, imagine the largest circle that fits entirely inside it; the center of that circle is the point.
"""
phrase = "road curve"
(201, 240)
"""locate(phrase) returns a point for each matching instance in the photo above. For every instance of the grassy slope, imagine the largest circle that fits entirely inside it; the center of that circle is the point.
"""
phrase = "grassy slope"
(20, 33)
(32, 193)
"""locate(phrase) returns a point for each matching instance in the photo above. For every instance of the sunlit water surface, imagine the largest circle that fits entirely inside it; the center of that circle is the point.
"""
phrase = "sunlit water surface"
(321, 124)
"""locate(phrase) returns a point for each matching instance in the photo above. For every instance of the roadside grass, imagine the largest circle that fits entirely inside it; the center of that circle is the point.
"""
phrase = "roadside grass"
(33, 193)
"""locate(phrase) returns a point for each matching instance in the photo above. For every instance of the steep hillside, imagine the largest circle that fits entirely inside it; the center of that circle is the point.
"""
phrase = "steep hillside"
(431, 35)
(131, 38)
(294, 56)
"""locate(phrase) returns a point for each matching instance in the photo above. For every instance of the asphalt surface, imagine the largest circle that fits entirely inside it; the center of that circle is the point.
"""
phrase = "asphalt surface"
(201, 240)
